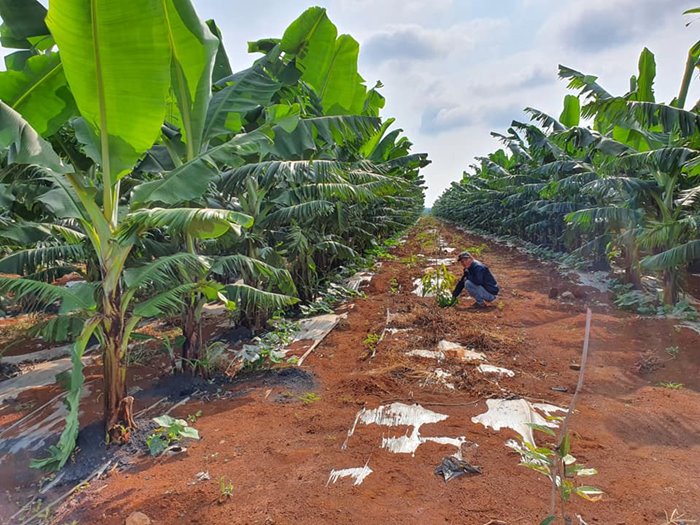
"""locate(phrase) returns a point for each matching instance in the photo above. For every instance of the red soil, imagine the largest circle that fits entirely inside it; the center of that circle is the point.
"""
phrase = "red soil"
(643, 439)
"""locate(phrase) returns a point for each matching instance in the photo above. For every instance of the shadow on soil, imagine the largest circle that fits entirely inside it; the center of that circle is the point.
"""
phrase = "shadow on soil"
(93, 454)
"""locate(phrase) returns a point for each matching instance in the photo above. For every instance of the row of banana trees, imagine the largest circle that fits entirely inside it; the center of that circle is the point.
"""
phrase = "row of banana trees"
(133, 155)
(614, 179)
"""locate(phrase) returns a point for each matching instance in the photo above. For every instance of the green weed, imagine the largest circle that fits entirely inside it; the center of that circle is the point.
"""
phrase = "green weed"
(225, 489)
(370, 342)
(673, 351)
(670, 385)
(170, 430)
(393, 286)
(309, 398)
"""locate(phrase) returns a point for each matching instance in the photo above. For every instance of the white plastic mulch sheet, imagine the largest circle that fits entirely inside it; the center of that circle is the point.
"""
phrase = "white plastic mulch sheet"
(357, 280)
(399, 414)
(41, 374)
(598, 280)
(490, 369)
(516, 414)
(419, 290)
(316, 328)
(426, 354)
(458, 351)
(446, 261)
(33, 431)
(40, 355)
(358, 474)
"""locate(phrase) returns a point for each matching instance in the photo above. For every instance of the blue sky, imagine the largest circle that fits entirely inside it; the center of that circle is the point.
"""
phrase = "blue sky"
(454, 70)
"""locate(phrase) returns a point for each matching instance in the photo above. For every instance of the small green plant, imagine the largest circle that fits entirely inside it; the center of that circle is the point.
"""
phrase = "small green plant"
(309, 398)
(410, 261)
(560, 468)
(169, 431)
(556, 461)
(214, 358)
(269, 348)
(381, 253)
(644, 303)
(478, 250)
(225, 489)
(370, 342)
(673, 351)
(670, 385)
(393, 241)
(393, 286)
(169, 349)
(192, 418)
(333, 295)
(440, 283)
(428, 240)
(627, 298)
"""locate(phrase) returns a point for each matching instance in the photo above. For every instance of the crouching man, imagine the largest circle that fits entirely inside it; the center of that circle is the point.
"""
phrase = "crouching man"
(478, 281)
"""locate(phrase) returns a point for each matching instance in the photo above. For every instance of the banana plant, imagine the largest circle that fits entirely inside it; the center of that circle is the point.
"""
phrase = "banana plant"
(625, 187)
(122, 104)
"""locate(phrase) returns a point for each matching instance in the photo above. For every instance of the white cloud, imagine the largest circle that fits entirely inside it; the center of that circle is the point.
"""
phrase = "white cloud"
(599, 25)
(399, 10)
(409, 42)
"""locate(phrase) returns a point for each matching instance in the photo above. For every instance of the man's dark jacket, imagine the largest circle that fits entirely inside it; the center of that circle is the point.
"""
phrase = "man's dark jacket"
(480, 275)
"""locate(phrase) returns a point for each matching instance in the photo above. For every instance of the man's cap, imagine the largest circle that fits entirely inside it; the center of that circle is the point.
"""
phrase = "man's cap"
(464, 255)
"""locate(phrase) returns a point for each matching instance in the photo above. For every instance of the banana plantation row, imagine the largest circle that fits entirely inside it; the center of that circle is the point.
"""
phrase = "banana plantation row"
(134, 156)
(614, 180)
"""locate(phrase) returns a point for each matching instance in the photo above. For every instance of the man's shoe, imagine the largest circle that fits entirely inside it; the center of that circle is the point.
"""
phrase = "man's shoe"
(479, 306)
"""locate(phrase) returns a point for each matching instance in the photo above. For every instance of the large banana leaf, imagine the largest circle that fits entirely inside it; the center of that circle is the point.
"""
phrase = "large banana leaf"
(193, 49)
(329, 65)
(190, 180)
(254, 270)
(248, 297)
(248, 90)
(30, 260)
(222, 66)
(165, 269)
(39, 92)
(322, 133)
(63, 200)
(674, 257)
(571, 115)
(301, 212)
(587, 84)
(116, 57)
(645, 80)
(44, 294)
(24, 145)
(23, 24)
(201, 223)
(169, 302)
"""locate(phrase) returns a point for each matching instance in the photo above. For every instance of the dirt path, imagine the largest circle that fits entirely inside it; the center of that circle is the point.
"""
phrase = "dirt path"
(278, 451)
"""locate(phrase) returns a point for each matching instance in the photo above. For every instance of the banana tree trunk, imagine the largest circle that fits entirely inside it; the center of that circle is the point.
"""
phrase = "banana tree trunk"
(631, 255)
(117, 408)
(192, 333)
(670, 287)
